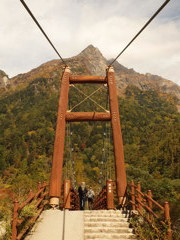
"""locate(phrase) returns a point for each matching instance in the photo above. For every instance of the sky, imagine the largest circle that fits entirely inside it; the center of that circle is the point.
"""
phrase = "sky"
(109, 25)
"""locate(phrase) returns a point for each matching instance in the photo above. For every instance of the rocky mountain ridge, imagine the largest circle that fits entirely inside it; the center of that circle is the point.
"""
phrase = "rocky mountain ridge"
(4, 79)
(91, 62)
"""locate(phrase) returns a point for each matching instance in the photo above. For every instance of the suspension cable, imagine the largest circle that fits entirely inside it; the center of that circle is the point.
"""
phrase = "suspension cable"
(69, 152)
(71, 155)
(39, 26)
(148, 22)
(104, 153)
(71, 166)
(66, 155)
(107, 143)
(109, 153)
(70, 161)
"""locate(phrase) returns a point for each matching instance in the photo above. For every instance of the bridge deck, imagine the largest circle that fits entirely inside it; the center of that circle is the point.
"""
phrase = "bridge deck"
(50, 226)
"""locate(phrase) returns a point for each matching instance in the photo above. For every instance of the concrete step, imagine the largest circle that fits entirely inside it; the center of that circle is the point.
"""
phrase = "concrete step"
(106, 224)
(107, 230)
(102, 211)
(111, 236)
(104, 215)
(104, 219)
(104, 238)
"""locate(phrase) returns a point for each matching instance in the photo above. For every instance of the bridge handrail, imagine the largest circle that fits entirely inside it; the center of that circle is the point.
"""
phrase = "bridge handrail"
(75, 203)
(156, 203)
(17, 222)
(144, 204)
(146, 196)
(105, 199)
(100, 202)
(71, 196)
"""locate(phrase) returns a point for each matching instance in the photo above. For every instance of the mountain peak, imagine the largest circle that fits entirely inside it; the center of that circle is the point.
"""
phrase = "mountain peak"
(90, 47)
(91, 50)
(94, 60)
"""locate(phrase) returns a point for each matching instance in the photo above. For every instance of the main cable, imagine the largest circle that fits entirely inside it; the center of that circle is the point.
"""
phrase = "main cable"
(148, 22)
(39, 26)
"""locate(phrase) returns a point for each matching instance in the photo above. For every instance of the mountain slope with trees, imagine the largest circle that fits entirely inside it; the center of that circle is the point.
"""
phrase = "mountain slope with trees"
(150, 126)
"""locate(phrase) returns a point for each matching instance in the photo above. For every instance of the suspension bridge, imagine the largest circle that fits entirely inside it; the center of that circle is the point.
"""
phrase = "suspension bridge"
(58, 214)
(113, 206)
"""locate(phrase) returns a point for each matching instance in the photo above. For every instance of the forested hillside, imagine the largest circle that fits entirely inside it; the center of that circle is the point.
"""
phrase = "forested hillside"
(150, 126)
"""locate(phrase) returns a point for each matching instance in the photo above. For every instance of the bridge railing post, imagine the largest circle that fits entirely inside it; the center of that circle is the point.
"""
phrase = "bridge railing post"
(133, 196)
(30, 193)
(168, 220)
(39, 185)
(110, 194)
(150, 204)
(139, 197)
(67, 194)
(14, 220)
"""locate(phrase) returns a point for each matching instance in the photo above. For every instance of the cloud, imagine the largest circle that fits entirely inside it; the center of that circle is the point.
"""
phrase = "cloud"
(108, 25)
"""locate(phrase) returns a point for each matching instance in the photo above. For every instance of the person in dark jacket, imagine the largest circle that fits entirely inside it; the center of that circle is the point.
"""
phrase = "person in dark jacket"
(82, 190)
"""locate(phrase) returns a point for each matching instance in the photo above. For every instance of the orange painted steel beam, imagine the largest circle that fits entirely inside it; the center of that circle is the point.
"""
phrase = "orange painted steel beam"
(57, 164)
(87, 79)
(87, 116)
(117, 135)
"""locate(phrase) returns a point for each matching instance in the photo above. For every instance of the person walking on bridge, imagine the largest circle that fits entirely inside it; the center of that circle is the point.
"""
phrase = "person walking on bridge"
(90, 197)
(82, 190)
